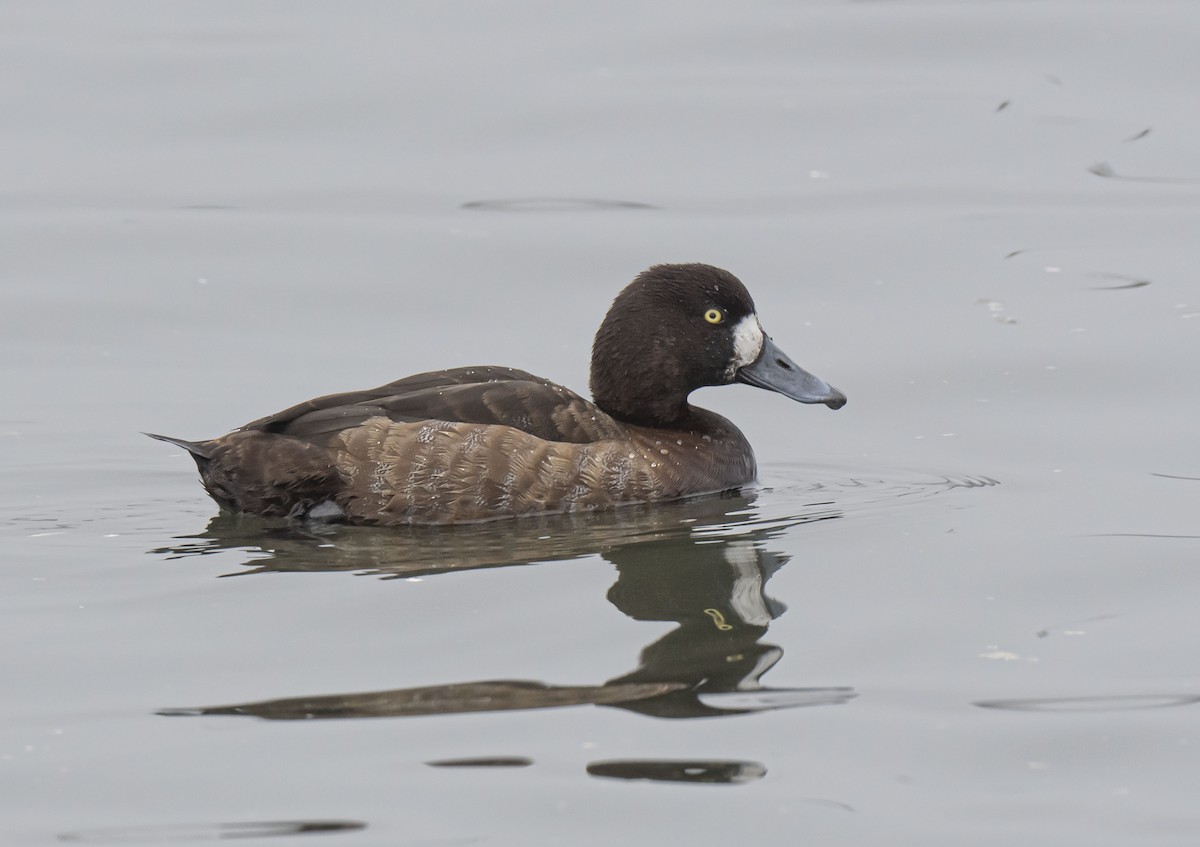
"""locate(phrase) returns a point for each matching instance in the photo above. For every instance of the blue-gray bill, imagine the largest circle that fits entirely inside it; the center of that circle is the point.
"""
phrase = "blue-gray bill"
(774, 371)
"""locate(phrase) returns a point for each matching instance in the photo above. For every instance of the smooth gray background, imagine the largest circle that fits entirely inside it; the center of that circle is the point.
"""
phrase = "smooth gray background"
(209, 211)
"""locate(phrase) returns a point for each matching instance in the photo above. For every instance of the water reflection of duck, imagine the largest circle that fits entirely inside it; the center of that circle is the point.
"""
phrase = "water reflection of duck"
(488, 442)
(272, 545)
(706, 569)
(716, 593)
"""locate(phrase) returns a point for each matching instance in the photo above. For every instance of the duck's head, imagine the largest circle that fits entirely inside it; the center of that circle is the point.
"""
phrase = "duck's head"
(676, 328)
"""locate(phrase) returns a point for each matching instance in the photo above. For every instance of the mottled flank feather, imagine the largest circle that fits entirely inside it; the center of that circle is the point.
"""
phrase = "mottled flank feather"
(453, 472)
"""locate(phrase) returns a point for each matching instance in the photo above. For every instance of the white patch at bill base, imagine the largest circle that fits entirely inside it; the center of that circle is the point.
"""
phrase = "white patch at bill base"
(748, 341)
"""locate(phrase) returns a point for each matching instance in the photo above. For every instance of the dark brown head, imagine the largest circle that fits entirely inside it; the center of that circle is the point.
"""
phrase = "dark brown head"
(676, 328)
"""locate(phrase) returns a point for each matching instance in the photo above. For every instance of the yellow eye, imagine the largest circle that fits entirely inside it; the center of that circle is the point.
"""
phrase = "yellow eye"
(714, 316)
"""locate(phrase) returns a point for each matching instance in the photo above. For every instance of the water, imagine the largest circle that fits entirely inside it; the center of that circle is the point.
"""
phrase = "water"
(960, 610)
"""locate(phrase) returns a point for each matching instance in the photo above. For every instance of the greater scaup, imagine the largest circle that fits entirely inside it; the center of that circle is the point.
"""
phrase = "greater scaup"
(472, 444)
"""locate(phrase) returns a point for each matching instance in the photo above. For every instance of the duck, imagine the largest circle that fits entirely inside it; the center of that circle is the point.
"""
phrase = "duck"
(483, 443)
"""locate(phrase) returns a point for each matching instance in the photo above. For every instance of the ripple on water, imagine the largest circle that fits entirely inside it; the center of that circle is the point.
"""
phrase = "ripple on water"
(793, 492)
(555, 204)
(1102, 703)
(680, 770)
(209, 831)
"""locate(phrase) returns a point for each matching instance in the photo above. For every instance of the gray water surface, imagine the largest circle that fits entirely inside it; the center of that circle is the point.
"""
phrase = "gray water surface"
(959, 611)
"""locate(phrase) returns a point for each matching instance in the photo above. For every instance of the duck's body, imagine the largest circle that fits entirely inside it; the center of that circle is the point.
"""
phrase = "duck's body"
(463, 445)
(484, 443)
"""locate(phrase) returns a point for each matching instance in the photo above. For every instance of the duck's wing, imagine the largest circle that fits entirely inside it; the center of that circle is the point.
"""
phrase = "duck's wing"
(481, 395)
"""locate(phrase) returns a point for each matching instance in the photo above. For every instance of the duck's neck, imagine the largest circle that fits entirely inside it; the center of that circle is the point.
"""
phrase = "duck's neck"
(643, 405)
(635, 381)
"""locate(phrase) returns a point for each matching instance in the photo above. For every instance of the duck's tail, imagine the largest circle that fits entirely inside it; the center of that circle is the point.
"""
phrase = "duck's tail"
(266, 474)
(201, 450)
